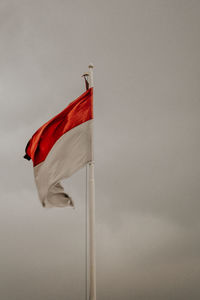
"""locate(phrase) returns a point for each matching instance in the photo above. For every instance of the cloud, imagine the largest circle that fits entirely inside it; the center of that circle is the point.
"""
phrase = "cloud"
(146, 58)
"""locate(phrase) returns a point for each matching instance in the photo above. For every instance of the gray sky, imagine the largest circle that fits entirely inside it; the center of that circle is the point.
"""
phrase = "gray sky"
(147, 69)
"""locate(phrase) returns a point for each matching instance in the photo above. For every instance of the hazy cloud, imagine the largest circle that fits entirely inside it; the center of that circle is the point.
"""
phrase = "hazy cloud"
(146, 56)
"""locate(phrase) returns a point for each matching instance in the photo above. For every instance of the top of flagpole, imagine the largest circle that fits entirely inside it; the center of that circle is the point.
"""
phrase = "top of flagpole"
(91, 81)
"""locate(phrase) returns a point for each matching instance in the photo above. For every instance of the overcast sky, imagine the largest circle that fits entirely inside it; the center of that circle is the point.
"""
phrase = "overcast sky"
(147, 119)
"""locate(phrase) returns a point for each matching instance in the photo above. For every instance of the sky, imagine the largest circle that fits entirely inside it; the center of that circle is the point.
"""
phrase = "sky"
(146, 56)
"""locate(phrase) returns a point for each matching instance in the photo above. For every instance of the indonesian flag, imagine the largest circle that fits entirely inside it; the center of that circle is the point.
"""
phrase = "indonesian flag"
(61, 147)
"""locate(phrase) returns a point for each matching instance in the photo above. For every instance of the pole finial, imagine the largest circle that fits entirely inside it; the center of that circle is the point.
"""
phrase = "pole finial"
(91, 66)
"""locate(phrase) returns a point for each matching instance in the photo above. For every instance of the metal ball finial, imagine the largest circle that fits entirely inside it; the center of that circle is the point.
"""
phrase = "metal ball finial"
(91, 66)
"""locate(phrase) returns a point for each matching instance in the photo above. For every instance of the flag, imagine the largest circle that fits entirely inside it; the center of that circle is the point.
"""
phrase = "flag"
(61, 147)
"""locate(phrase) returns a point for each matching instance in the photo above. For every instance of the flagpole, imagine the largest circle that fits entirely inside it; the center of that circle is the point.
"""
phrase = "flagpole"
(91, 215)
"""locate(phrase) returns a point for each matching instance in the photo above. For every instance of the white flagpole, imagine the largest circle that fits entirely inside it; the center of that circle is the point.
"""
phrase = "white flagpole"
(91, 219)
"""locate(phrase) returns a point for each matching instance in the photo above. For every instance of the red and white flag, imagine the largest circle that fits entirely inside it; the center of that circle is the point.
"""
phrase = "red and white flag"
(61, 147)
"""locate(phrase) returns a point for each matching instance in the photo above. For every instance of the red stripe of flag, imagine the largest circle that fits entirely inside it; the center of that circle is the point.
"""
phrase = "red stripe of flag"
(76, 113)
